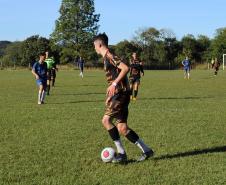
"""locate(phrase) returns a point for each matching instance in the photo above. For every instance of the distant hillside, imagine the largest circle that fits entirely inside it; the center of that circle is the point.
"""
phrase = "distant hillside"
(3, 45)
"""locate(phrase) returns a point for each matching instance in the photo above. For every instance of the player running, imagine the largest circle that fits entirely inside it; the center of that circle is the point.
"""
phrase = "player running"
(117, 102)
(39, 70)
(187, 67)
(81, 66)
(51, 67)
(136, 67)
(216, 65)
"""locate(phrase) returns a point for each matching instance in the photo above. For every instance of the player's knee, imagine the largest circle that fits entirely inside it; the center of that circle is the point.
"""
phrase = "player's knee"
(41, 88)
(106, 121)
(122, 128)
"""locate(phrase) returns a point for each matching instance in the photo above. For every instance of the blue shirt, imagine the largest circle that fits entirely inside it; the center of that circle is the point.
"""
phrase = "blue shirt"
(80, 62)
(40, 69)
(186, 64)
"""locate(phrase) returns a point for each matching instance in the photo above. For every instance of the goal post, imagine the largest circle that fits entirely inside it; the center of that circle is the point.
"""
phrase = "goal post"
(224, 58)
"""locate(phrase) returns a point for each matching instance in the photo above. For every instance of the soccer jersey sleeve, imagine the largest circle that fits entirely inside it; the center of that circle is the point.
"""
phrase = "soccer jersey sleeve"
(116, 60)
(34, 67)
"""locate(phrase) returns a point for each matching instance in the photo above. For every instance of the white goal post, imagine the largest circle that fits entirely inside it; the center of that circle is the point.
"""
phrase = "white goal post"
(224, 58)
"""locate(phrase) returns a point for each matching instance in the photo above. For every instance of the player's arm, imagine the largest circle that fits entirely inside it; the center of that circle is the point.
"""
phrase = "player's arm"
(141, 68)
(182, 63)
(123, 72)
(34, 73)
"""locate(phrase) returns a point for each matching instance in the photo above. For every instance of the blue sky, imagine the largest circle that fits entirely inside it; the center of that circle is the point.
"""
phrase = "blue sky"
(120, 19)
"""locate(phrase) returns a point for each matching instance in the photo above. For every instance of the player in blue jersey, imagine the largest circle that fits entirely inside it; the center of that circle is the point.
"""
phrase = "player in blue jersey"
(39, 70)
(187, 67)
(81, 66)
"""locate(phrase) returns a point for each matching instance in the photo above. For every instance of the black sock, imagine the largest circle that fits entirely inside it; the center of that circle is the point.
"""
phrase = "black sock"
(132, 136)
(135, 93)
(53, 82)
(114, 134)
(48, 89)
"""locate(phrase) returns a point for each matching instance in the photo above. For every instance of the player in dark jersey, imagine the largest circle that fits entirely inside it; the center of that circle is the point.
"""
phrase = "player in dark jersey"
(117, 101)
(39, 70)
(136, 68)
(216, 65)
(51, 73)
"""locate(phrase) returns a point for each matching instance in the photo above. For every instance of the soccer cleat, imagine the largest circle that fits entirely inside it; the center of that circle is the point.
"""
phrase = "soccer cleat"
(39, 103)
(134, 98)
(42, 102)
(131, 97)
(145, 155)
(119, 158)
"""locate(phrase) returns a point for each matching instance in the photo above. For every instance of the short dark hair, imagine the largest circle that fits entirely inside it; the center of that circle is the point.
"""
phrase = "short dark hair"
(42, 54)
(102, 37)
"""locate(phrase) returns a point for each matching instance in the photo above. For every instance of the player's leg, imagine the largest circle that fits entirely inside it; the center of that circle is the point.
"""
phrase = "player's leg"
(185, 74)
(53, 78)
(43, 91)
(48, 87)
(40, 89)
(188, 74)
(114, 134)
(128, 132)
(48, 82)
(131, 84)
(133, 137)
(216, 70)
(40, 94)
(136, 85)
(82, 67)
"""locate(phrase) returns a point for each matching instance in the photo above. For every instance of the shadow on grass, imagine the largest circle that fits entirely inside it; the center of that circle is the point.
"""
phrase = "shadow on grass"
(79, 94)
(74, 102)
(192, 153)
(176, 98)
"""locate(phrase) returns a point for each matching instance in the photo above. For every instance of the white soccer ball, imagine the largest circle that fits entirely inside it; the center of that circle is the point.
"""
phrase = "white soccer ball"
(107, 154)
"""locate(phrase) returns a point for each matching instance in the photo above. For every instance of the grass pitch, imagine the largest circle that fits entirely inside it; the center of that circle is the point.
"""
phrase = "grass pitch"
(59, 143)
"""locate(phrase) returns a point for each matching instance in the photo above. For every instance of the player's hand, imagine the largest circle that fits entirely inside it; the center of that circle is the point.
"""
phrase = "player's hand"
(142, 74)
(111, 90)
(37, 77)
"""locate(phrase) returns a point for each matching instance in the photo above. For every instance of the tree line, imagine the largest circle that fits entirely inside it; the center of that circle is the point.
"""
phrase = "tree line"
(78, 24)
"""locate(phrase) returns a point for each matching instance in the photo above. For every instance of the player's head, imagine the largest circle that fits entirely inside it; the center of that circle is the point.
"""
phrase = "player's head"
(42, 56)
(134, 55)
(100, 41)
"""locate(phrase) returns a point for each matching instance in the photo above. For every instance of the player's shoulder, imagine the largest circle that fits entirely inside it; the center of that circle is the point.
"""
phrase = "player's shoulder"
(35, 64)
(114, 58)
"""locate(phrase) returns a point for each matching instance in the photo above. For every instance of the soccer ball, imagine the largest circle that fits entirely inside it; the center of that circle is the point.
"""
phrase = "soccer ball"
(107, 154)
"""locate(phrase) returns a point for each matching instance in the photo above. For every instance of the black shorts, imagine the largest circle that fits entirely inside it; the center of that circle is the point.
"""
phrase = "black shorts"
(49, 74)
(117, 107)
(134, 79)
(53, 73)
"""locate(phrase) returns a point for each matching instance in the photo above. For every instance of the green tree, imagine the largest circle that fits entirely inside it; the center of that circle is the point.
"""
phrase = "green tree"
(124, 49)
(31, 47)
(3, 45)
(189, 45)
(218, 45)
(13, 54)
(148, 40)
(75, 29)
(203, 46)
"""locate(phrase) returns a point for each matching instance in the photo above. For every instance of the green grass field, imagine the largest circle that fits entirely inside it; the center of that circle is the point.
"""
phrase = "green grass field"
(59, 143)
